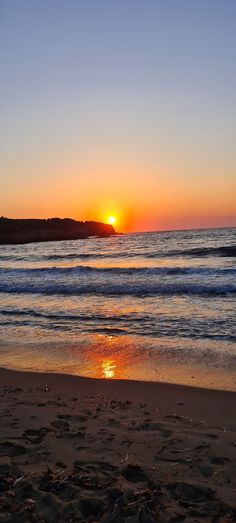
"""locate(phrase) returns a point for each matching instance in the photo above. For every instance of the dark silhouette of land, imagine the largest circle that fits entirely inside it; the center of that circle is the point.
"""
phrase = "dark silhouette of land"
(52, 229)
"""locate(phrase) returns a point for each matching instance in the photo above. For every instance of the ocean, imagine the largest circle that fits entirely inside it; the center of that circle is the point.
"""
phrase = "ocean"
(154, 306)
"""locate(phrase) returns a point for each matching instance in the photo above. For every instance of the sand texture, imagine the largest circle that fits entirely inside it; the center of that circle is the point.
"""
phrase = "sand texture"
(74, 449)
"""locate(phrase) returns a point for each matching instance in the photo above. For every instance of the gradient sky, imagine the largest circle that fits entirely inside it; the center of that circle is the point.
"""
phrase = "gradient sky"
(119, 107)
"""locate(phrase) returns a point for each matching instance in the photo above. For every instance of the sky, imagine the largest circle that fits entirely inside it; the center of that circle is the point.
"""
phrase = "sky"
(119, 108)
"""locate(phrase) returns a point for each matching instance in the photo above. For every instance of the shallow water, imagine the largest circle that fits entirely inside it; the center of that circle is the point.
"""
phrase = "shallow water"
(153, 306)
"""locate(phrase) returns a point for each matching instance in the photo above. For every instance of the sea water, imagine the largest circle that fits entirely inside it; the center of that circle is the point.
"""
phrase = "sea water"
(147, 306)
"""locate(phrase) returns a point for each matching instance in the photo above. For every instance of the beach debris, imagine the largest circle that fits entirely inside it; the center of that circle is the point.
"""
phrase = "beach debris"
(59, 474)
(46, 388)
(137, 505)
(163, 501)
(80, 477)
(30, 502)
(63, 480)
(123, 460)
(115, 404)
(10, 493)
(18, 480)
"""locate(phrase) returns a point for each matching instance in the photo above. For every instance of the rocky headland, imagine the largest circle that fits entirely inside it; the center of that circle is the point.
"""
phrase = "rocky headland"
(13, 231)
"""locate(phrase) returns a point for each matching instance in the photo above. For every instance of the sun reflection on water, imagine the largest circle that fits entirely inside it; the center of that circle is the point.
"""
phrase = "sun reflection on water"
(108, 369)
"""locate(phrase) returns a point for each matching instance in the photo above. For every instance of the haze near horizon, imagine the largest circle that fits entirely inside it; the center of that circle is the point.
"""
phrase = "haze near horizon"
(119, 110)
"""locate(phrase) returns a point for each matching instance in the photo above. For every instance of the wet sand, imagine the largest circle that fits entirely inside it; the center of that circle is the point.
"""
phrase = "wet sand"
(79, 449)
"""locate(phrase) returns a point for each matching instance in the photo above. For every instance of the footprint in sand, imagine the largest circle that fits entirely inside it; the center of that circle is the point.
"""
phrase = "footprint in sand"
(34, 436)
(11, 449)
(61, 424)
(134, 473)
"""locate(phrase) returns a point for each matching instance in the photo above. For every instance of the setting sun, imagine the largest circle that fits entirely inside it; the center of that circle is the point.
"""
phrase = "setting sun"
(111, 220)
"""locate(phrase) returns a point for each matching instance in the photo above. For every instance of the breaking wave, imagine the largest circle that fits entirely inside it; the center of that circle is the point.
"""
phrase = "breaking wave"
(117, 289)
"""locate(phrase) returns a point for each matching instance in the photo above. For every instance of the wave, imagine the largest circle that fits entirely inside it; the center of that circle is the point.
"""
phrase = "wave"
(70, 256)
(196, 252)
(116, 289)
(225, 251)
(119, 271)
(65, 316)
(127, 323)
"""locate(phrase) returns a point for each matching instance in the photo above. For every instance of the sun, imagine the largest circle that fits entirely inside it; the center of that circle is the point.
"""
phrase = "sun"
(111, 220)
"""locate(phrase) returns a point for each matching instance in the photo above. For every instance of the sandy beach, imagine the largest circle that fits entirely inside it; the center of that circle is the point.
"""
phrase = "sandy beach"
(78, 449)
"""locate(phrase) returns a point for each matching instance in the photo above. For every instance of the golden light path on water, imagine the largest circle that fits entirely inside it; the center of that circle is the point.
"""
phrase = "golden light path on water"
(108, 369)
(114, 357)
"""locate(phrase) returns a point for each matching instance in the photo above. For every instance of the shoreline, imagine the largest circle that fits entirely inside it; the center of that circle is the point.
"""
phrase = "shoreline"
(101, 357)
(20, 375)
(201, 401)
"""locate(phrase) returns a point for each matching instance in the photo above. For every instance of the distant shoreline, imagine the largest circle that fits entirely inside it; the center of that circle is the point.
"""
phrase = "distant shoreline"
(184, 230)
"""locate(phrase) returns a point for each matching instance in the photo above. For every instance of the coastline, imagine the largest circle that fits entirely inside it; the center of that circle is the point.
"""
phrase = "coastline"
(85, 449)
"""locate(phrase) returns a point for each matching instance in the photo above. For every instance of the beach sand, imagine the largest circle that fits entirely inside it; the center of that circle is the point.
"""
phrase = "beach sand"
(78, 449)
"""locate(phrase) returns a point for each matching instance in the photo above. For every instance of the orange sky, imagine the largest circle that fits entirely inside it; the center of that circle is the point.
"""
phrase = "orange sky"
(141, 196)
(136, 127)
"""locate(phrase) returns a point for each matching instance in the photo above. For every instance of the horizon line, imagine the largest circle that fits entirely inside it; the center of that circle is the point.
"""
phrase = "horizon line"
(128, 232)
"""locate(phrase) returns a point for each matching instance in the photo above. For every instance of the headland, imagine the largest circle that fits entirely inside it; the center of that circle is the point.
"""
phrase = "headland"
(14, 231)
